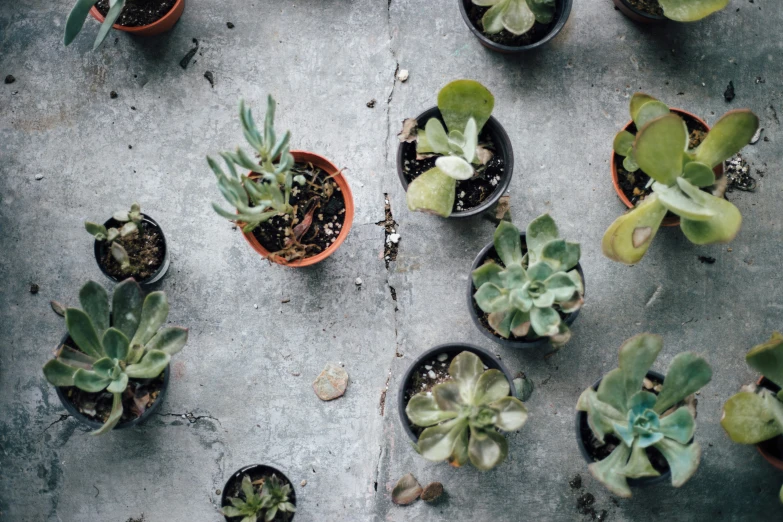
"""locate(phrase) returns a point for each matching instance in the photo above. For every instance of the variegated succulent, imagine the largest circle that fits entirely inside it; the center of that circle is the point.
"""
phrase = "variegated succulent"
(273, 498)
(462, 416)
(515, 16)
(79, 13)
(639, 419)
(525, 296)
(755, 414)
(690, 10)
(465, 106)
(131, 226)
(660, 149)
(114, 345)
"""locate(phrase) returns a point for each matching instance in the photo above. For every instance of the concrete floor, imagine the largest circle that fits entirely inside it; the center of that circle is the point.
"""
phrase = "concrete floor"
(244, 378)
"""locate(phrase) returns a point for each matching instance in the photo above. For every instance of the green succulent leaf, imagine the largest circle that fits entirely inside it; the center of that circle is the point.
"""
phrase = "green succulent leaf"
(437, 139)
(126, 307)
(540, 271)
(612, 390)
(95, 302)
(561, 285)
(58, 373)
(501, 323)
(487, 448)
(676, 201)
(466, 368)
(629, 163)
(628, 238)
(89, 381)
(641, 401)
(545, 321)
(748, 420)
(639, 464)
(471, 141)
(520, 323)
(688, 373)
(660, 146)
(461, 100)
(721, 228)
(678, 426)
(115, 9)
(638, 100)
(511, 413)
(609, 471)
(436, 443)
(153, 314)
(637, 355)
(601, 416)
(447, 396)
(169, 340)
(650, 111)
(97, 230)
(727, 137)
(539, 233)
(767, 358)
(491, 386)
(518, 18)
(76, 19)
(422, 410)
(83, 333)
(432, 192)
(623, 143)
(489, 272)
(114, 417)
(508, 243)
(492, 21)
(699, 174)
(115, 344)
(543, 9)
(683, 459)
(690, 10)
(455, 167)
(151, 365)
(561, 255)
(118, 385)
(106, 367)
(491, 299)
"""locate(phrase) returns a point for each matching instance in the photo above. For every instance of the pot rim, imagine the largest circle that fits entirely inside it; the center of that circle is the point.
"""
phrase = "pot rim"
(151, 29)
(489, 359)
(637, 15)
(769, 457)
(156, 276)
(493, 127)
(245, 469)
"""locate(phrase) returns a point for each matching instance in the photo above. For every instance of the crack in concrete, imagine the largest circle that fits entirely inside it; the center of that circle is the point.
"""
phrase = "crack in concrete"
(63, 417)
(190, 417)
(394, 80)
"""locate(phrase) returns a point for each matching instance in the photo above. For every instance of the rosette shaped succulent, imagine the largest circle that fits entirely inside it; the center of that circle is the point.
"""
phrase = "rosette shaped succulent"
(640, 419)
(261, 505)
(515, 16)
(462, 416)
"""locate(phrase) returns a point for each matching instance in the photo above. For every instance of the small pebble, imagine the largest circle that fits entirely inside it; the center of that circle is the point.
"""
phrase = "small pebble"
(431, 374)
(9, 79)
(442, 357)
(113, 94)
(427, 367)
(371, 103)
(255, 306)
(403, 75)
(394, 238)
(39, 177)
(358, 281)
(231, 26)
(33, 288)
(303, 483)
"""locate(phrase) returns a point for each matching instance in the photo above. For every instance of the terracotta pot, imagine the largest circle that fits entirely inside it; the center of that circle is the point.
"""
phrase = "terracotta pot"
(667, 221)
(301, 156)
(99, 249)
(637, 15)
(254, 470)
(763, 447)
(161, 26)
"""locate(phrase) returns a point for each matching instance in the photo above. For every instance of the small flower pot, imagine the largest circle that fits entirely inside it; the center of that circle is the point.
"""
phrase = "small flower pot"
(100, 249)
(256, 471)
(583, 430)
(488, 252)
(165, 23)
(451, 350)
(503, 160)
(772, 449)
(562, 11)
(637, 15)
(94, 424)
(331, 169)
(671, 220)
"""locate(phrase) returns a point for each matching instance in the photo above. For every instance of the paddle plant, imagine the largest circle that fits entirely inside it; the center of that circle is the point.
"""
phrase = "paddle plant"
(755, 414)
(640, 419)
(678, 174)
(515, 16)
(690, 10)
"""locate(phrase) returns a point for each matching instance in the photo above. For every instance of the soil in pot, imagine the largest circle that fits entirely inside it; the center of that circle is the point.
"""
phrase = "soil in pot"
(651, 7)
(773, 446)
(138, 13)
(318, 220)
(257, 475)
(146, 250)
(537, 33)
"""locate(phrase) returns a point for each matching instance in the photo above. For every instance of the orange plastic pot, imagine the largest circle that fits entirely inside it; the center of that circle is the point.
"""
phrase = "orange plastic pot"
(769, 457)
(301, 156)
(667, 221)
(161, 26)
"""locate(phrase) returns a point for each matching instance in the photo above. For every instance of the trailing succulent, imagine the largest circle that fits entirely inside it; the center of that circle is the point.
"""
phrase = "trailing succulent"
(515, 16)
(79, 13)
(115, 345)
(263, 505)
(530, 290)
(755, 414)
(132, 225)
(640, 419)
(465, 106)
(690, 10)
(463, 414)
(660, 149)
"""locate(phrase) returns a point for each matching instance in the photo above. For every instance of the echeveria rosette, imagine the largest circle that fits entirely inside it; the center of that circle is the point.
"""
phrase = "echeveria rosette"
(660, 149)
(463, 414)
(515, 16)
(527, 292)
(465, 106)
(690, 10)
(263, 505)
(115, 345)
(640, 419)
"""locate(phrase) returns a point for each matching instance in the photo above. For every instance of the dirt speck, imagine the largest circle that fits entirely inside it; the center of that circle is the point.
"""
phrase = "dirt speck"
(575, 482)
(707, 259)
(9, 79)
(729, 94)
(210, 78)
(371, 103)
(229, 25)
(34, 288)
(113, 95)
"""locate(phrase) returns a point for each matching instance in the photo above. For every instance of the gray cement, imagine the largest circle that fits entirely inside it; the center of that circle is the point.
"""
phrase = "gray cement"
(241, 389)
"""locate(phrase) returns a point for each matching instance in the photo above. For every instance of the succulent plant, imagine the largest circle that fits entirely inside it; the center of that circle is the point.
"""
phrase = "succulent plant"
(660, 149)
(115, 345)
(79, 13)
(261, 505)
(755, 414)
(690, 10)
(640, 419)
(515, 16)
(131, 226)
(266, 195)
(530, 290)
(465, 106)
(463, 414)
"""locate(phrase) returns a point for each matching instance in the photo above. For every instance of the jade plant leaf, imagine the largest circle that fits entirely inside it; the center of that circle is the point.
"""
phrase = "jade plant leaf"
(461, 100)
(95, 302)
(623, 143)
(637, 355)
(422, 410)
(629, 163)
(699, 174)
(637, 101)
(518, 18)
(767, 358)
(83, 333)
(153, 314)
(660, 146)
(690, 10)
(126, 307)
(747, 420)
(687, 374)
(508, 243)
(432, 192)
(678, 426)
(487, 448)
(727, 137)
(649, 111)
(436, 139)
(683, 459)
(722, 227)
(628, 238)
(675, 200)
(543, 9)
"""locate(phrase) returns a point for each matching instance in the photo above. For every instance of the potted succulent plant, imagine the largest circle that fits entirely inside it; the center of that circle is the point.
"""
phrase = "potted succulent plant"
(514, 26)
(635, 427)
(455, 160)
(648, 11)
(295, 207)
(679, 177)
(755, 414)
(130, 244)
(258, 493)
(111, 369)
(452, 402)
(139, 17)
(527, 288)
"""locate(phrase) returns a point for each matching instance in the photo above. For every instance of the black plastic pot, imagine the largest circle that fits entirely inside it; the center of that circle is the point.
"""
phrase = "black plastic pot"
(496, 133)
(636, 15)
(93, 424)
(581, 423)
(562, 11)
(100, 247)
(255, 471)
(489, 360)
(486, 252)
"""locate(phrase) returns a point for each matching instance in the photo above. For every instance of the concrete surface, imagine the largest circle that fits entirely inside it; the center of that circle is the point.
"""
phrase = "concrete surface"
(244, 379)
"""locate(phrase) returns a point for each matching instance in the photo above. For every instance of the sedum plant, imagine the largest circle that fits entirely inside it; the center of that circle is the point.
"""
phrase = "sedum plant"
(690, 10)
(528, 291)
(131, 225)
(463, 414)
(115, 345)
(263, 505)
(267, 194)
(640, 419)
(465, 106)
(79, 13)
(660, 149)
(755, 414)
(515, 16)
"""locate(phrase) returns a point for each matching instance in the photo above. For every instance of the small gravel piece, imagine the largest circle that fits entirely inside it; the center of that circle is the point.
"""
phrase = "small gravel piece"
(358, 281)
(402, 75)
(113, 94)
(9, 79)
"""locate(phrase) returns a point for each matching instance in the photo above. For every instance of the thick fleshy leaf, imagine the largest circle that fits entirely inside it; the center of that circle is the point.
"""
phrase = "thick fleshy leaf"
(539, 232)
(151, 365)
(628, 238)
(466, 368)
(650, 111)
(422, 410)
(459, 456)
(612, 390)
(447, 396)
(118, 385)
(116, 344)
(683, 459)
(471, 141)
(609, 471)
(83, 333)
(623, 143)
(501, 322)
(637, 355)
(95, 303)
(97, 230)
(76, 19)
(169, 340)
(601, 416)
(489, 272)
(107, 368)
(75, 358)
(561, 286)
(406, 490)
(126, 307)
(543, 9)
(114, 416)
(89, 381)
(491, 299)
(461, 100)
(641, 401)
(747, 419)
(432, 192)
(624, 432)
(678, 426)
(58, 373)
(486, 449)
(520, 299)
(560, 255)
(687, 374)
(727, 137)
(676, 201)
(512, 414)
(520, 323)
(639, 464)
(648, 439)
(115, 9)
(455, 167)
(629, 163)
(767, 358)
(690, 10)
(231, 511)
(638, 100)
(436, 443)
(153, 315)
(545, 321)
(544, 300)
(492, 21)
(518, 18)
(721, 228)
(660, 146)
(539, 271)
(698, 174)
(508, 243)
(490, 387)
(437, 139)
